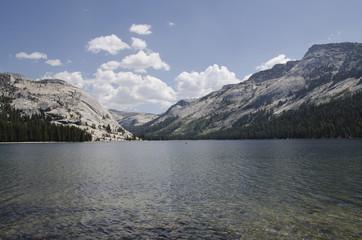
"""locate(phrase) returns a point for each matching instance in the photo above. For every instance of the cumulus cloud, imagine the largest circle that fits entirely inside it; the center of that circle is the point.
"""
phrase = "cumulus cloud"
(126, 90)
(171, 24)
(121, 90)
(194, 84)
(37, 56)
(141, 61)
(54, 62)
(34, 55)
(138, 44)
(73, 78)
(111, 44)
(269, 64)
(142, 29)
(111, 65)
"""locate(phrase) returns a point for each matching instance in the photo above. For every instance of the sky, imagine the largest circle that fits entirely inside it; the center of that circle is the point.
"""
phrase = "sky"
(145, 55)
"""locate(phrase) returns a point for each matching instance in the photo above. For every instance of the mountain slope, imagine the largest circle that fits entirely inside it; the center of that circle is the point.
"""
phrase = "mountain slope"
(326, 72)
(131, 119)
(64, 103)
(340, 118)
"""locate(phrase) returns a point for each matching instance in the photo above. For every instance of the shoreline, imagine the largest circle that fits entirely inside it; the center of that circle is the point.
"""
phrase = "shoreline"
(33, 142)
(36, 142)
(287, 139)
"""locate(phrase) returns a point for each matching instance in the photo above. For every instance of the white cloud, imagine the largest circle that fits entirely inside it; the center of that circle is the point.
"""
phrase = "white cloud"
(126, 90)
(54, 62)
(34, 55)
(269, 64)
(122, 90)
(141, 61)
(111, 65)
(138, 44)
(73, 78)
(37, 56)
(111, 44)
(142, 29)
(247, 77)
(194, 84)
(171, 24)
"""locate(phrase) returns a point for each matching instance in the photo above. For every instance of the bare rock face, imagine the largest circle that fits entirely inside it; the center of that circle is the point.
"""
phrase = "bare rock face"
(65, 103)
(325, 73)
(131, 119)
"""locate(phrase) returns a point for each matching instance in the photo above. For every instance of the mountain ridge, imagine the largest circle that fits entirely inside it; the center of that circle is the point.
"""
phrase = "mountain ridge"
(62, 102)
(326, 72)
(131, 119)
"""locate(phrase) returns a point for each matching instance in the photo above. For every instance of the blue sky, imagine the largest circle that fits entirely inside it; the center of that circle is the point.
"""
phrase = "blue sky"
(146, 55)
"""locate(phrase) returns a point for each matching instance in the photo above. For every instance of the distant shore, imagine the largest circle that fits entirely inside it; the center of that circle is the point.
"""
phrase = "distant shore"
(33, 142)
(60, 142)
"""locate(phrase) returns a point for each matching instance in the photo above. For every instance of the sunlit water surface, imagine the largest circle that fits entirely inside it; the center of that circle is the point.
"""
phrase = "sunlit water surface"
(266, 189)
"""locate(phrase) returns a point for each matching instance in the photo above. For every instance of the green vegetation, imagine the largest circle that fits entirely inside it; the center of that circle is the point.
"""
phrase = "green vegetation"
(165, 129)
(17, 128)
(162, 129)
(341, 118)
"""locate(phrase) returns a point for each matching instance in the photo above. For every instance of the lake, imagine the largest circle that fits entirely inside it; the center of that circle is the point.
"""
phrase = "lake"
(247, 189)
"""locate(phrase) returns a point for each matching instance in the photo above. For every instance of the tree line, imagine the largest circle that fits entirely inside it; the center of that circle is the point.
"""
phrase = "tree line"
(341, 118)
(15, 127)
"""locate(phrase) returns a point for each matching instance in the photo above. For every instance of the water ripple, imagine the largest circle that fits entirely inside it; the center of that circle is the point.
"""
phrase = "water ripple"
(170, 190)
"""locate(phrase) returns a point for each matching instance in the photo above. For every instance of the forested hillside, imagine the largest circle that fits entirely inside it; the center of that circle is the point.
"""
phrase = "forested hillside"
(64, 104)
(325, 73)
(17, 128)
(341, 118)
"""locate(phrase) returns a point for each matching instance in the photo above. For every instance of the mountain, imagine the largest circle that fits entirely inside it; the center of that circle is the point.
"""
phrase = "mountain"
(131, 119)
(63, 103)
(326, 73)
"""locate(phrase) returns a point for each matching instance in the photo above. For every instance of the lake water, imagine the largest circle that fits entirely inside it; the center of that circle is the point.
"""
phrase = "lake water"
(262, 189)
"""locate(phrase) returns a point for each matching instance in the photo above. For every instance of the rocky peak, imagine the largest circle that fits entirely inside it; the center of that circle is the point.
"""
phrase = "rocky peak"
(277, 71)
(182, 103)
(327, 58)
(6, 79)
(58, 81)
(332, 48)
(325, 73)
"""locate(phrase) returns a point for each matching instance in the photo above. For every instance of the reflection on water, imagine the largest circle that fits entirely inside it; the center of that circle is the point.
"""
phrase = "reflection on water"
(272, 189)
